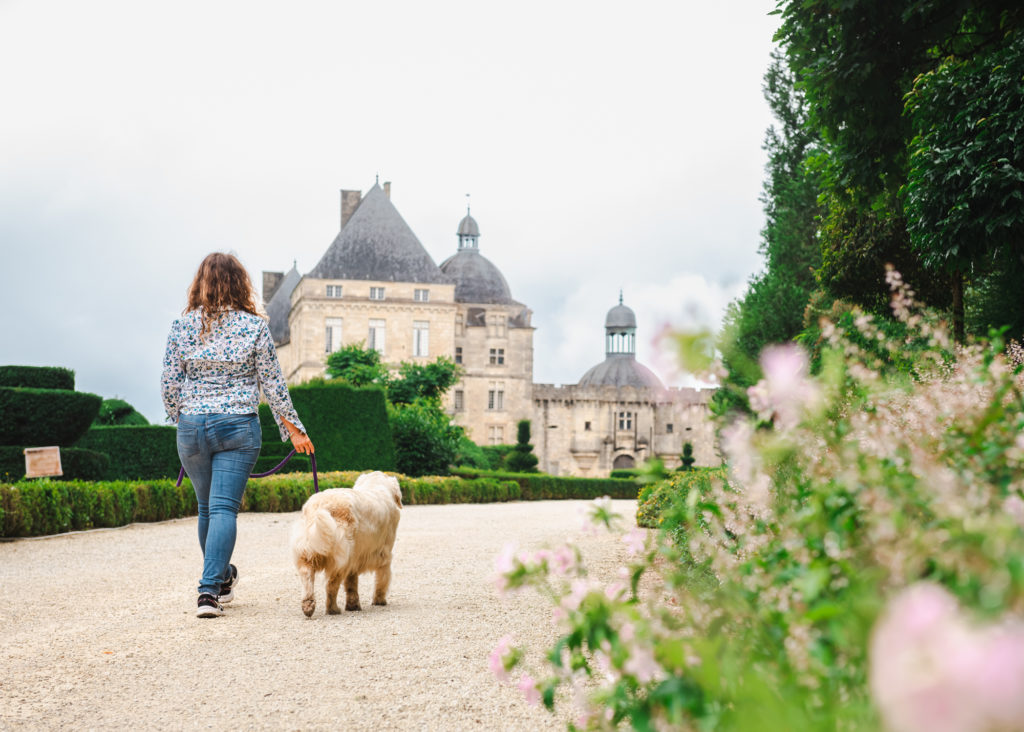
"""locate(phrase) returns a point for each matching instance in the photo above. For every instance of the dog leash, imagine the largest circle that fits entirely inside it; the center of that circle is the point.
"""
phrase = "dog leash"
(289, 456)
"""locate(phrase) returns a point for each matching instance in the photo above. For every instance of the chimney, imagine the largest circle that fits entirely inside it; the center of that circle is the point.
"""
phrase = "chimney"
(387, 189)
(271, 281)
(349, 203)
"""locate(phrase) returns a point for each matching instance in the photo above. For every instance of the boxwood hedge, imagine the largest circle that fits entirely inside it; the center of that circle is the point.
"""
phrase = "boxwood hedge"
(539, 486)
(136, 452)
(41, 507)
(75, 463)
(38, 377)
(42, 417)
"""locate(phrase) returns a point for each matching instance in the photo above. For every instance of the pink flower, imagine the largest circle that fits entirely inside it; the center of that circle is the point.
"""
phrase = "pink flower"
(785, 392)
(496, 660)
(529, 688)
(1014, 506)
(931, 670)
(635, 541)
(643, 666)
(506, 561)
(563, 559)
(579, 589)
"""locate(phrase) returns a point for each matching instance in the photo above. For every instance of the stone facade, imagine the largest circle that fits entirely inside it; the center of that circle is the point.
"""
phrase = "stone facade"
(377, 285)
(591, 430)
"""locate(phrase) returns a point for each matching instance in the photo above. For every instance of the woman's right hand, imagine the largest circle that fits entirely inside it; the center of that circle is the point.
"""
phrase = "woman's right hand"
(302, 443)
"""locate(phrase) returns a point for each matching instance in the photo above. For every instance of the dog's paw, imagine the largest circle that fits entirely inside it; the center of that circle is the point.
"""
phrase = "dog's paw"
(379, 601)
(352, 606)
(308, 606)
(334, 610)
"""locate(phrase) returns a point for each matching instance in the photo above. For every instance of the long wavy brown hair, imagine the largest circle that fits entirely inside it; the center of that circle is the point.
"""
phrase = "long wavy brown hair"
(220, 285)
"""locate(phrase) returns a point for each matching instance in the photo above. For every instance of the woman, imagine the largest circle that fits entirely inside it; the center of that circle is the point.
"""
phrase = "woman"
(219, 355)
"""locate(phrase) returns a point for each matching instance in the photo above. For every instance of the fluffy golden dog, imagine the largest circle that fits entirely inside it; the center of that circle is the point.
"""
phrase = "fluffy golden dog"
(344, 532)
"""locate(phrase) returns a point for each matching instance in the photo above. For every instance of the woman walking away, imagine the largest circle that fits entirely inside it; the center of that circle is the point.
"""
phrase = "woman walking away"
(219, 355)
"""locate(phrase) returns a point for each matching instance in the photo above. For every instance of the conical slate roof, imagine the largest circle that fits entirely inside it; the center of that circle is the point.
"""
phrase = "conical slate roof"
(377, 244)
(280, 306)
(476, 279)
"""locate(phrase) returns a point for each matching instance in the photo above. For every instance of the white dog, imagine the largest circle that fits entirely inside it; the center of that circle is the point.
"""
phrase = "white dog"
(344, 532)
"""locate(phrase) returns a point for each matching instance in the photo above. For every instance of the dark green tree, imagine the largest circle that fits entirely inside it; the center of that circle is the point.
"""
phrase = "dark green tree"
(687, 459)
(426, 441)
(522, 459)
(965, 189)
(358, 365)
(423, 381)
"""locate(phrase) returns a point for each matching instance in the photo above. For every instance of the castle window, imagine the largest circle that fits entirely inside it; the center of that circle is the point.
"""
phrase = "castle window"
(497, 356)
(459, 401)
(459, 324)
(421, 295)
(333, 290)
(376, 293)
(332, 339)
(625, 421)
(496, 325)
(496, 396)
(586, 426)
(376, 337)
(458, 354)
(420, 338)
(496, 434)
(668, 428)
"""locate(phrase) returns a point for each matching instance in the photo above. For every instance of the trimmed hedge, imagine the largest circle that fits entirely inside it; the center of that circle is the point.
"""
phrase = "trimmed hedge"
(272, 451)
(136, 452)
(41, 507)
(43, 417)
(76, 463)
(38, 377)
(540, 486)
(348, 426)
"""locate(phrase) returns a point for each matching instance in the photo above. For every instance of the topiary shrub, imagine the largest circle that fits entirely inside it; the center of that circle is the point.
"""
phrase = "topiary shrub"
(41, 417)
(348, 426)
(522, 459)
(38, 377)
(136, 452)
(118, 412)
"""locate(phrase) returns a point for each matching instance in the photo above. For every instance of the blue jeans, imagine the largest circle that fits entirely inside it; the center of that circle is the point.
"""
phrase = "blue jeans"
(218, 452)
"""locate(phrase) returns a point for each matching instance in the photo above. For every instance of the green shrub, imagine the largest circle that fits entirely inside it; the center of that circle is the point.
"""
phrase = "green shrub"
(626, 473)
(348, 426)
(118, 412)
(76, 464)
(425, 439)
(496, 456)
(662, 505)
(539, 486)
(471, 455)
(43, 417)
(136, 452)
(38, 377)
(522, 459)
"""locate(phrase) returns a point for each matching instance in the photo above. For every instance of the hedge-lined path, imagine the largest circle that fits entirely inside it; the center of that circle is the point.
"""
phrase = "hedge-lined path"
(99, 631)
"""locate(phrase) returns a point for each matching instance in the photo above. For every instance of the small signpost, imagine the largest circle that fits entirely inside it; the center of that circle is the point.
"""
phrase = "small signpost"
(42, 462)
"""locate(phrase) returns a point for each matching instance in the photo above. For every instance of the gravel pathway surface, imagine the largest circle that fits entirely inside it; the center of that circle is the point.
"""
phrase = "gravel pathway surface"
(98, 629)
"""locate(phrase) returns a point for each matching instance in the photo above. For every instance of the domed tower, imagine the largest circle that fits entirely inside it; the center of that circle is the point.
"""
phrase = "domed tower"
(493, 344)
(620, 367)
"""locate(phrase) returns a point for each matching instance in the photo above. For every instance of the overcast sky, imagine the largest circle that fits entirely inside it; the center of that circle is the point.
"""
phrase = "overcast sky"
(606, 145)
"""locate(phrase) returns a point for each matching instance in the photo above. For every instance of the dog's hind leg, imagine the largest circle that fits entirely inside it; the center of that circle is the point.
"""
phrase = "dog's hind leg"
(307, 574)
(333, 585)
(380, 589)
(352, 592)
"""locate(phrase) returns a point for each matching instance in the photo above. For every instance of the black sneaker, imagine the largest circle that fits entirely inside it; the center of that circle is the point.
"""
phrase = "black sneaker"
(227, 589)
(208, 607)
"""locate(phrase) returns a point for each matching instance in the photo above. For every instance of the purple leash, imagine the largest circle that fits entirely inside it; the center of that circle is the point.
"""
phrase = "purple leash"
(312, 461)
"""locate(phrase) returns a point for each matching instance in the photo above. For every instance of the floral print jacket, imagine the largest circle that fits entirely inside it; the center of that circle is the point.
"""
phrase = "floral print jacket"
(224, 373)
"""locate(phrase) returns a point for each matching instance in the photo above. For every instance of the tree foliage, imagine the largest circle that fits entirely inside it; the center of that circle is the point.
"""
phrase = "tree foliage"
(358, 365)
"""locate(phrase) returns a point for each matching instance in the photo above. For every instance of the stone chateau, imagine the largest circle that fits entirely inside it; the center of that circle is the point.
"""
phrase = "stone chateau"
(378, 285)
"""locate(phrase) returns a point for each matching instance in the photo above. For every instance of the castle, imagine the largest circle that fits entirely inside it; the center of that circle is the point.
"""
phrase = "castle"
(377, 284)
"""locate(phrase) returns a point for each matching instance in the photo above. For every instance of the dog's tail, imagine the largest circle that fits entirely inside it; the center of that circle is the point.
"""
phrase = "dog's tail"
(316, 534)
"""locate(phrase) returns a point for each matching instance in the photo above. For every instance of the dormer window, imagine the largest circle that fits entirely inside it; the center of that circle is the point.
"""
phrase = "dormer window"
(376, 293)
(421, 295)
(333, 290)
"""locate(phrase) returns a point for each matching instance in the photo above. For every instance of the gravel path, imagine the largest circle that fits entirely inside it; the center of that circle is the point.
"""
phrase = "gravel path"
(97, 629)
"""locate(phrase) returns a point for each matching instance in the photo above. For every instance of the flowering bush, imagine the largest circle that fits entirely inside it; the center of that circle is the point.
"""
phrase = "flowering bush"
(859, 565)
